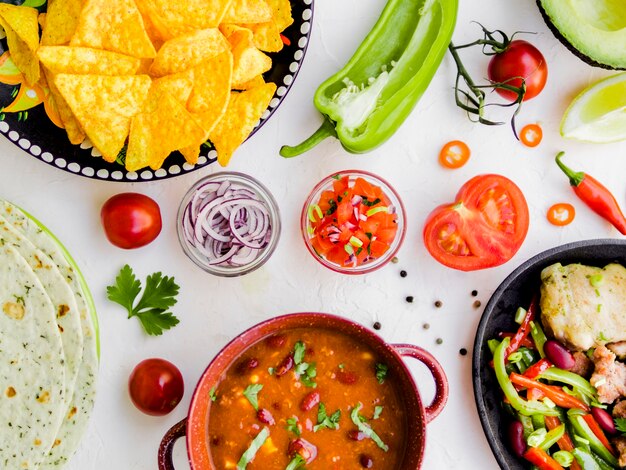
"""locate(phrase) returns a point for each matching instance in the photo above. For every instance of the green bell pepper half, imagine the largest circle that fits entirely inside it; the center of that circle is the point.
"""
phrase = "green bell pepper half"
(366, 102)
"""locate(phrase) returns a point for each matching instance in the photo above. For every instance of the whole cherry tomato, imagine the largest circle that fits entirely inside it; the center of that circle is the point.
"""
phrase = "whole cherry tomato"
(519, 60)
(156, 386)
(484, 227)
(131, 220)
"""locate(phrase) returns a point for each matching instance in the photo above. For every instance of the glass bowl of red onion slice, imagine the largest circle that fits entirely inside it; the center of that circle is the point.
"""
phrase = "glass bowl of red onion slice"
(228, 224)
(353, 222)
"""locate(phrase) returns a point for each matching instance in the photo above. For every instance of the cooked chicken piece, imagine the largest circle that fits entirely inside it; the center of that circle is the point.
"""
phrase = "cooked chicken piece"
(609, 376)
(620, 447)
(583, 365)
(619, 349)
(619, 410)
(583, 306)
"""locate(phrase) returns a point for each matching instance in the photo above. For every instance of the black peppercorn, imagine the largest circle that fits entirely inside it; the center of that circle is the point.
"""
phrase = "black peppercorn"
(409, 299)
(377, 325)
(403, 273)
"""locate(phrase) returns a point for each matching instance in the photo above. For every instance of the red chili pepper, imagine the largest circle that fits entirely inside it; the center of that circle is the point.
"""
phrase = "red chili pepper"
(595, 195)
(554, 393)
(526, 342)
(597, 430)
(524, 329)
(285, 40)
(565, 443)
(541, 459)
(537, 368)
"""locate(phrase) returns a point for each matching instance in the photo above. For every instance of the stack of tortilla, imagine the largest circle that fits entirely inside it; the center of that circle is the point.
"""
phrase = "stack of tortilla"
(48, 346)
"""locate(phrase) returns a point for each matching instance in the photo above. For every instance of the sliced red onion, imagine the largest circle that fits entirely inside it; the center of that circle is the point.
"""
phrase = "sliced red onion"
(227, 224)
(356, 200)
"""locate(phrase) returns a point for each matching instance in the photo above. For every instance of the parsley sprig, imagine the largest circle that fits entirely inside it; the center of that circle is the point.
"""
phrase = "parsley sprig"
(305, 371)
(381, 372)
(325, 421)
(252, 394)
(361, 423)
(158, 297)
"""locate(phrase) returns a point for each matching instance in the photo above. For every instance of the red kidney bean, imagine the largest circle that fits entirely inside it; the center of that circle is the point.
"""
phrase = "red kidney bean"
(604, 419)
(366, 461)
(304, 449)
(308, 402)
(559, 355)
(276, 341)
(284, 366)
(347, 377)
(356, 435)
(516, 438)
(247, 365)
(277, 406)
(265, 417)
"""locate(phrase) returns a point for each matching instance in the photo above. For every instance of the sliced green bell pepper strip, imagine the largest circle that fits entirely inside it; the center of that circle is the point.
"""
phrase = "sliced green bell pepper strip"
(539, 337)
(564, 376)
(585, 459)
(366, 102)
(582, 429)
(527, 408)
(552, 437)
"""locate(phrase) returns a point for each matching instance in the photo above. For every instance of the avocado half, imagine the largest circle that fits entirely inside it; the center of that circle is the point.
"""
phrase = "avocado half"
(594, 30)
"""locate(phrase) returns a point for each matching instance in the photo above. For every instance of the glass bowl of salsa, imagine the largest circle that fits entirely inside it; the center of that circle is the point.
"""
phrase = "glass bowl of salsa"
(353, 222)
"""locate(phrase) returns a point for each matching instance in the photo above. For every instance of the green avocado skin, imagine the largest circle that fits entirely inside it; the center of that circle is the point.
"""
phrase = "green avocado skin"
(569, 45)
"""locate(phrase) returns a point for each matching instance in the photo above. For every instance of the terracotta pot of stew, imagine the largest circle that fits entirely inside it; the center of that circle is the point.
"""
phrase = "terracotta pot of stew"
(312, 391)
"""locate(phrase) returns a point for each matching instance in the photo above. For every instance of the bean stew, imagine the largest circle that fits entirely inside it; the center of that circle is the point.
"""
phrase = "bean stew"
(310, 398)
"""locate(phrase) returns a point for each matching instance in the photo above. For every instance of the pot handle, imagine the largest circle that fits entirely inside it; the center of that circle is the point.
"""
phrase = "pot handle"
(441, 381)
(167, 444)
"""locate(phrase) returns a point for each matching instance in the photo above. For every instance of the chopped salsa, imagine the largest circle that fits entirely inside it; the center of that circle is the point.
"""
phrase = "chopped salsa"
(353, 223)
(307, 398)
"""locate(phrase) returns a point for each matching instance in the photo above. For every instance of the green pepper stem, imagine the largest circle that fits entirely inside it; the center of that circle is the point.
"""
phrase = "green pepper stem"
(575, 178)
(327, 129)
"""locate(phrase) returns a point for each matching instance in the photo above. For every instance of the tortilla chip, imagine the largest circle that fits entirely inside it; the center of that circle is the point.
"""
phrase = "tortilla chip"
(22, 30)
(61, 22)
(75, 133)
(191, 153)
(281, 13)
(41, 19)
(175, 18)
(211, 85)
(178, 85)
(104, 106)
(154, 135)
(266, 36)
(113, 25)
(243, 112)
(83, 60)
(255, 82)
(185, 52)
(248, 60)
(248, 11)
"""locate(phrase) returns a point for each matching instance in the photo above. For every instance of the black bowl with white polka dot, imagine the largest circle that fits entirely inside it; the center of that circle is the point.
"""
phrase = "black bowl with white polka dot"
(32, 130)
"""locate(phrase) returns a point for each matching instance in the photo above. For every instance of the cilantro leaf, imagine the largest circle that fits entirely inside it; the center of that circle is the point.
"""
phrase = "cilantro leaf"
(158, 296)
(325, 421)
(381, 372)
(251, 451)
(298, 352)
(292, 426)
(620, 424)
(306, 372)
(252, 394)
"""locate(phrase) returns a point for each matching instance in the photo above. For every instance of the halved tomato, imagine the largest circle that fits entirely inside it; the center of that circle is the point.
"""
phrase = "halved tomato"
(484, 228)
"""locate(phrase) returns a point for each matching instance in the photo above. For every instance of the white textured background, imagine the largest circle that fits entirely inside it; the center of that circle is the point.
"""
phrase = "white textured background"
(212, 310)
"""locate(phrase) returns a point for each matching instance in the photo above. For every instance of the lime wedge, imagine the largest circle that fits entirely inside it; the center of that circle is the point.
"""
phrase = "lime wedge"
(598, 114)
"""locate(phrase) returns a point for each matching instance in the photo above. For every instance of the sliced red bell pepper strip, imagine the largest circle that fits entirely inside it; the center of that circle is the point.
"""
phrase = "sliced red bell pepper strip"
(524, 329)
(537, 368)
(565, 443)
(541, 459)
(554, 393)
(526, 342)
(597, 430)
(534, 394)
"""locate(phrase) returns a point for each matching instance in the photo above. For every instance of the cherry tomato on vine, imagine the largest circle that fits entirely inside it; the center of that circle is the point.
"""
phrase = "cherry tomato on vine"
(531, 135)
(131, 220)
(484, 227)
(519, 60)
(561, 214)
(454, 154)
(156, 386)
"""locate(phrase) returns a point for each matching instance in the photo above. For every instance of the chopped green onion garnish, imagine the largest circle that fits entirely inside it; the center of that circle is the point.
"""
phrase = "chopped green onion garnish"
(549, 402)
(596, 280)
(563, 458)
(536, 437)
(354, 241)
(515, 357)
(376, 210)
(255, 445)
(600, 382)
(520, 315)
(318, 211)
(349, 249)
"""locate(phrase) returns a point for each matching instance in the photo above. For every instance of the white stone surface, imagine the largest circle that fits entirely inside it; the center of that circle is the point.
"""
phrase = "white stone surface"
(213, 310)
